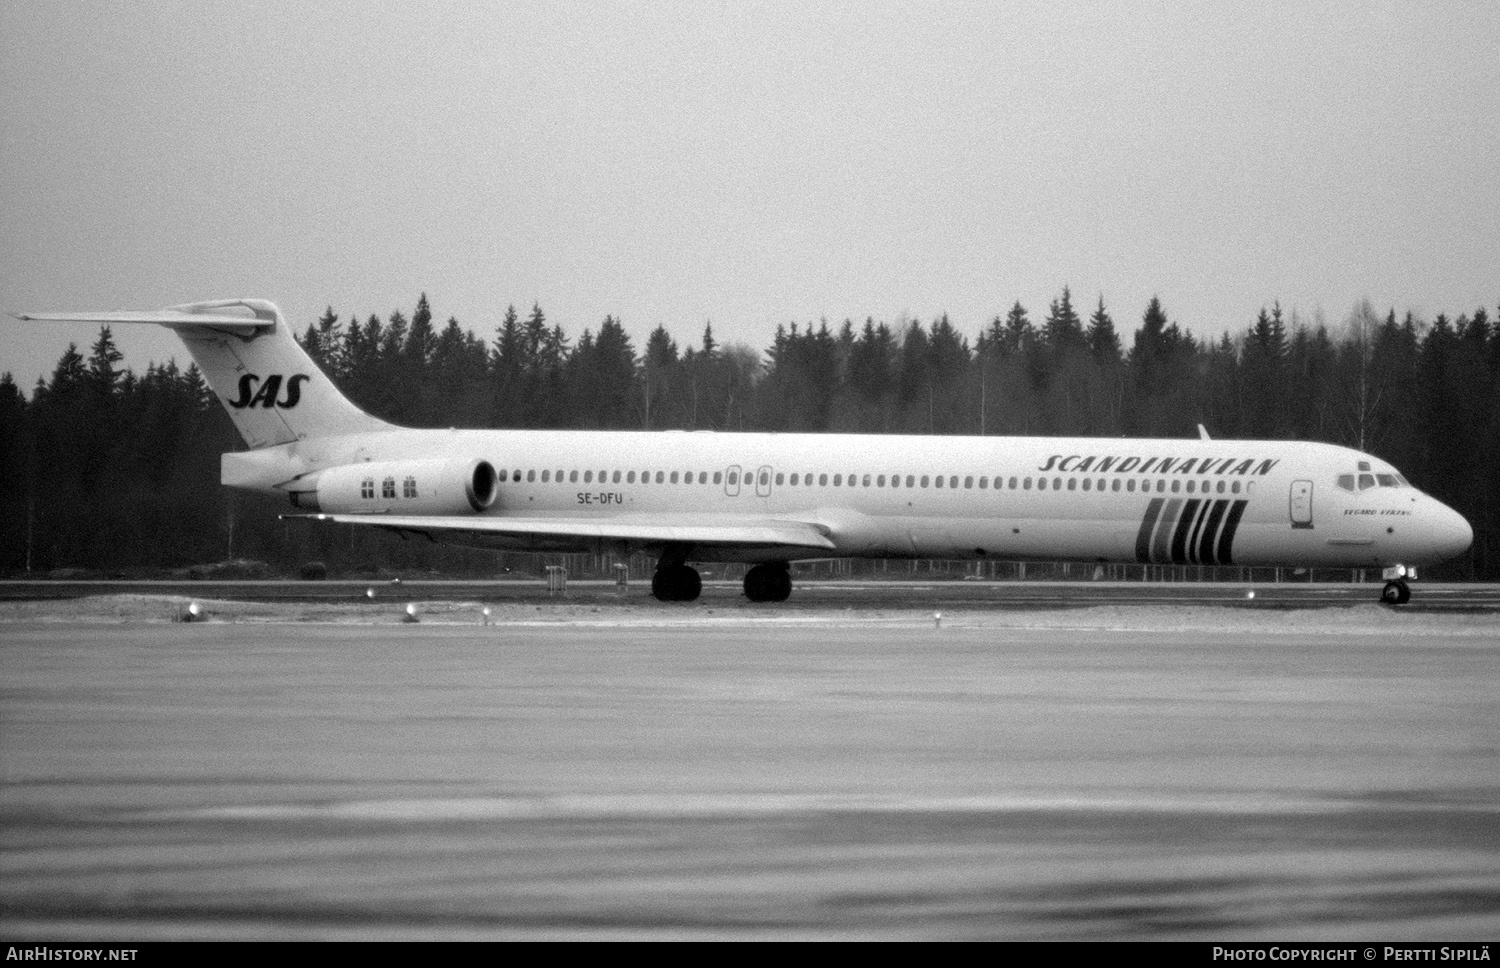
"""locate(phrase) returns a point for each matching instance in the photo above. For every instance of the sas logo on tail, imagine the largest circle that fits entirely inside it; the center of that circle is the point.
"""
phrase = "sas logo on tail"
(266, 395)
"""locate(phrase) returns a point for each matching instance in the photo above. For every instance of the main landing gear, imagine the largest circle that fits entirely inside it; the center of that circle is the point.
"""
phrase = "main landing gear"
(769, 583)
(675, 582)
(1395, 592)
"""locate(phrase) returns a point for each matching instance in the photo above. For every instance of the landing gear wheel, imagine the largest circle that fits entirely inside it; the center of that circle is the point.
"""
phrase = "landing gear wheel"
(676, 583)
(1395, 593)
(768, 583)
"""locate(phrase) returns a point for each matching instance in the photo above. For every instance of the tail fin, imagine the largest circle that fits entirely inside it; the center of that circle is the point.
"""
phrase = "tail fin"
(272, 389)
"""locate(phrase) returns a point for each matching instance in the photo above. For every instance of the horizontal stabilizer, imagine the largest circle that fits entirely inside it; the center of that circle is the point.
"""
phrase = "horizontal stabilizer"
(174, 317)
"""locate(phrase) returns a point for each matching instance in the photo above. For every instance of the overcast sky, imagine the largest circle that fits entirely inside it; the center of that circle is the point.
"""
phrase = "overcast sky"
(743, 163)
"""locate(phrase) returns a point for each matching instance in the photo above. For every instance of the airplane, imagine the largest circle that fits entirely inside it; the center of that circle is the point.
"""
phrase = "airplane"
(770, 499)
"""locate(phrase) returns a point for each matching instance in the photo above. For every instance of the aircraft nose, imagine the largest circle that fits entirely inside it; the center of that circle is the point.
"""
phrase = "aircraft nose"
(1451, 533)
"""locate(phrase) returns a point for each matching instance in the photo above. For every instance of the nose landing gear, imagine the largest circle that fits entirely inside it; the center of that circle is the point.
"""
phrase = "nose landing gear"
(1395, 592)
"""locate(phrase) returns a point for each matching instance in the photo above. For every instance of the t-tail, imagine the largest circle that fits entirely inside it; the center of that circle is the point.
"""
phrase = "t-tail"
(271, 388)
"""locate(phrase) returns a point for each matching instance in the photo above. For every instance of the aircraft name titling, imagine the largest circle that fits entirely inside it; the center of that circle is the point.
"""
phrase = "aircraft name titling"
(1078, 463)
(267, 395)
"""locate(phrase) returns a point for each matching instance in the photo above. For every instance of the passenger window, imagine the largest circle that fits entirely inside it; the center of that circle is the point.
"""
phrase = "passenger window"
(938, 481)
(546, 477)
(1130, 485)
(1087, 484)
(984, 483)
(880, 481)
(1176, 486)
(1026, 484)
(911, 480)
(1114, 485)
(864, 481)
(718, 477)
(1013, 483)
(734, 479)
(588, 477)
(895, 480)
(1072, 484)
(673, 478)
(765, 478)
(1234, 487)
(838, 480)
(822, 480)
(968, 483)
(925, 480)
(1191, 486)
(661, 477)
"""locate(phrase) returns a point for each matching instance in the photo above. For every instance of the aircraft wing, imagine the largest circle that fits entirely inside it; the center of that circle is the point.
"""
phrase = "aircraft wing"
(700, 531)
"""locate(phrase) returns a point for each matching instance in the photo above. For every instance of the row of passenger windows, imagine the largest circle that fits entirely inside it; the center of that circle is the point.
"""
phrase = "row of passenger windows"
(388, 487)
(732, 478)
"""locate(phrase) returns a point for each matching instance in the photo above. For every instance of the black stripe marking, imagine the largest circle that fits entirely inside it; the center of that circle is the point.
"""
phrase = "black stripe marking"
(1143, 537)
(1184, 524)
(1160, 552)
(1226, 540)
(1210, 531)
(1192, 543)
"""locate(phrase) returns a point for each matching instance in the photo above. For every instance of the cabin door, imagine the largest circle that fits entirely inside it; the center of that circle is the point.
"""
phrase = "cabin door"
(1301, 504)
(763, 481)
(732, 481)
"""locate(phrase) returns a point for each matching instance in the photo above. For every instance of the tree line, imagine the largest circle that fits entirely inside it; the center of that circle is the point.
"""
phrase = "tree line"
(105, 469)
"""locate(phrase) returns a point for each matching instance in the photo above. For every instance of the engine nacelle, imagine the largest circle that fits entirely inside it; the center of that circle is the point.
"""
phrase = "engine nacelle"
(399, 487)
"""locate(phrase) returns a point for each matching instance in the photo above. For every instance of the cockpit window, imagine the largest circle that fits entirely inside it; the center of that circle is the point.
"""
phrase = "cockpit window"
(1365, 481)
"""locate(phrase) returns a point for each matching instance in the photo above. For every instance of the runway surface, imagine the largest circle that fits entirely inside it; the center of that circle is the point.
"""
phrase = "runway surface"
(808, 592)
(588, 770)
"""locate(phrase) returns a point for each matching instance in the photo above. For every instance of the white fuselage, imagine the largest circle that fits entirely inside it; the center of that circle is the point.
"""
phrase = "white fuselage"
(1083, 499)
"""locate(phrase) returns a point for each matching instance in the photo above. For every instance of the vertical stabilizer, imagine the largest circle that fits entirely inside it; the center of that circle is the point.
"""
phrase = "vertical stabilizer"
(273, 391)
